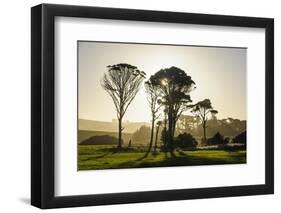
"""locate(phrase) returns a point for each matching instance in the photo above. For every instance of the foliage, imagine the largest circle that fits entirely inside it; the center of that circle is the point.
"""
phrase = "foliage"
(174, 86)
(241, 138)
(229, 126)
(217, 139)
(202, 110)
(185, 140)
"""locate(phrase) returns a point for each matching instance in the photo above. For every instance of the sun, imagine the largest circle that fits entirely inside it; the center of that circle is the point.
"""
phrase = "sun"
(164, 82)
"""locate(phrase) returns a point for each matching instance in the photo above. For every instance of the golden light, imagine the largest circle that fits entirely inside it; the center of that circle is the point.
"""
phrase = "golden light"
(164, 82)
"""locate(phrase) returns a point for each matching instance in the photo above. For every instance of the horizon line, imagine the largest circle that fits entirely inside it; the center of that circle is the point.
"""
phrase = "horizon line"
(129, 121)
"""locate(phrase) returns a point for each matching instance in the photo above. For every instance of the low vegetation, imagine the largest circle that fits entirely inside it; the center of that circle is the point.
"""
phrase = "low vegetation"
(100, 152)
(108, 157)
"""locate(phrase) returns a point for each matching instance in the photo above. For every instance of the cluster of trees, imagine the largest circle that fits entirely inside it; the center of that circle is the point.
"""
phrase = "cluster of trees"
(168, 94)
(229, 127)
(217, 139)
(241, 138)
(186, 140)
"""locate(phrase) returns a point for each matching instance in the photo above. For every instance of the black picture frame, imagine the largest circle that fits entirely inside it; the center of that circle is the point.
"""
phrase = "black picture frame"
(43, 105)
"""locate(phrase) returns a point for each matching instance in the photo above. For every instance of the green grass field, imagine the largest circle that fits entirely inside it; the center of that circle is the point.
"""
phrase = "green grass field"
(106, 157)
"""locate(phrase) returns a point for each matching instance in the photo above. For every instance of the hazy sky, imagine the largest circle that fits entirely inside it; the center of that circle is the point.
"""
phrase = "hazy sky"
(219, 74)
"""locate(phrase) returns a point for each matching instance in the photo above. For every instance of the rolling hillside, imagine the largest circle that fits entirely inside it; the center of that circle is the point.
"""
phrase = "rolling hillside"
(84, 134)
(103, 126)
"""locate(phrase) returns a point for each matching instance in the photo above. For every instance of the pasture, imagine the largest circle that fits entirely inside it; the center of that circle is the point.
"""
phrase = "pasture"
(94, 157)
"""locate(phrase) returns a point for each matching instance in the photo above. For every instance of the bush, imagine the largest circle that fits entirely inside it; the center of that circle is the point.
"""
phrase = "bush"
(185, 141)
(217, 139)
(241, 138)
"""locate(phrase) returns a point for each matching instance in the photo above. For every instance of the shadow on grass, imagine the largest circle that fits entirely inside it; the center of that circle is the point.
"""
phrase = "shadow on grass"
(109, 152)
(181, 153)
(154, 154)
(181, 160)
(142, 157)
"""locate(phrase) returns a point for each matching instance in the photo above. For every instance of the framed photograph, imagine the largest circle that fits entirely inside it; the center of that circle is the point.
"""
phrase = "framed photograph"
(139, 106)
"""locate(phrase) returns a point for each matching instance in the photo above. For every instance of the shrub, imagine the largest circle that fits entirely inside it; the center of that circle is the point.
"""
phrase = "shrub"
(217, 139)
(185, 141)
(241, 138)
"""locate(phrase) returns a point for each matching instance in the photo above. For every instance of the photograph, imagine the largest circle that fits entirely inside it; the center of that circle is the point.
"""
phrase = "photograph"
(160, 105)
(173, 104)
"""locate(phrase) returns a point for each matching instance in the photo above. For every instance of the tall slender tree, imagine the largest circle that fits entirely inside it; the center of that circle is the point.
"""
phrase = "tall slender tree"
(153, 94)
(202, 110)
(122, 82)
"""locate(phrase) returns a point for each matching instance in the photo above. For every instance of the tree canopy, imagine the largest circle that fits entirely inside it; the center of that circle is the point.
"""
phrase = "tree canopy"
(122, 82)
(174, 86)
(202, 110)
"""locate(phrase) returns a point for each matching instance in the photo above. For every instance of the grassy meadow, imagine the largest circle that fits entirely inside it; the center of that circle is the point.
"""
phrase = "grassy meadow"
(93, 157)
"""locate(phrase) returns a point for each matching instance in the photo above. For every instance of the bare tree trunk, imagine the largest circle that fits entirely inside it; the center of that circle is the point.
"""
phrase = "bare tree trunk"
(130, 143)
(119, 133)
(152, 133)
(156, 138)
(204, 133)
(170, 133)
(174, 127)
(164, 133)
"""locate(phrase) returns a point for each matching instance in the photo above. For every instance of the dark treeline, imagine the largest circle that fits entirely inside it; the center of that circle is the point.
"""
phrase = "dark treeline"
(217, 133)
(229, 127)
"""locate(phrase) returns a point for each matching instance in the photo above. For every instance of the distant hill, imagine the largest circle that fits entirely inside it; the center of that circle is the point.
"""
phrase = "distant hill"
(86, 134)
(100, 140)
(91, 125)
